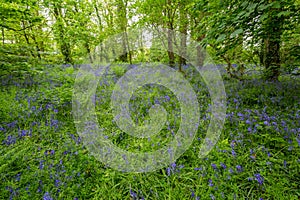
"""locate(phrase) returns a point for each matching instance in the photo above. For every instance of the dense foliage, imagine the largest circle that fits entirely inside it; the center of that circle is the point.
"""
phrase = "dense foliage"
(264, 33)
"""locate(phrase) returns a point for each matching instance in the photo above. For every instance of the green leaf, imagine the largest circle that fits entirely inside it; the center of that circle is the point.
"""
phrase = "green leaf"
(264, 7)
(236, 32)
(284, 13)
(252, 7)
(221, 38)
(264, 16)
(276, 5)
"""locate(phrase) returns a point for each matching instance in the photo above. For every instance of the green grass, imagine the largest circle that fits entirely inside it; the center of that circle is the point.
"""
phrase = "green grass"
(41, 152)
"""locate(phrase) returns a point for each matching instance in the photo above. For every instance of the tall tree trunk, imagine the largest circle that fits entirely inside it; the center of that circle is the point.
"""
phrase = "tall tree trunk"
(272, 41)
(170, 48)
(200, 52)
(101, 55)
(27, 39)
(3, 36)
(183, 38)
(122, 21)
(170, 34)
(37, 47)
(64, 45)
(86, 40)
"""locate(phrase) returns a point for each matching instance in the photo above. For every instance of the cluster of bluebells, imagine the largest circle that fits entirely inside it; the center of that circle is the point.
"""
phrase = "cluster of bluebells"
(258, 178)
(47, 196)
(173, 169)
(136, 196)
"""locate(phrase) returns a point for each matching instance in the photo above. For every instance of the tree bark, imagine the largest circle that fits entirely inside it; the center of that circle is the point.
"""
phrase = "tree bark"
(272, 41)
(183, 38)
(64, 45)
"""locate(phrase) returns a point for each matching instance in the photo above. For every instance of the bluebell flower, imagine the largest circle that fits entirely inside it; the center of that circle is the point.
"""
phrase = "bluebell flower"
(233, 152)
(232, 144)
(133, 194)
(259, 178)
(167, 98)
(284, 163)
(223, 165)
(41, 164)
(298, 140)
(173, 165)
(23, 133)
(239, 168)
(10, 140)
(210, 183)
(214, 166)
(198, 168)
(47, 196)
(57, 182)
(193, 194)
(54, 123)
(251, 151)
(18, 177)
(12, 124)
(240, 115)
(168, 171)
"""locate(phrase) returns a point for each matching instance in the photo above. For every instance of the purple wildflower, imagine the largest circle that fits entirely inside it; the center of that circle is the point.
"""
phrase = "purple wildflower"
(232, 144)
(240, 114)
(233, 152)
(10, 140)
(210, 183)
(41, 164)
(57, 182)
(298, 140)
(47, 196)
(169, 171)
(198, 168)
(239, 168)
(214, 166)
(133, 194)
(259, 178)
(167, 98)
(251, 151)
(223, 165)
(193, 194)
